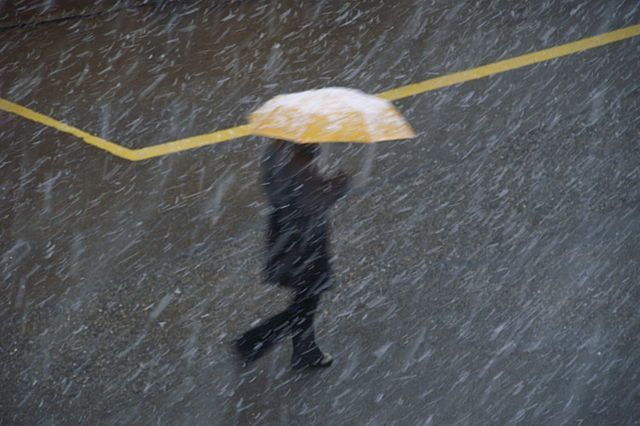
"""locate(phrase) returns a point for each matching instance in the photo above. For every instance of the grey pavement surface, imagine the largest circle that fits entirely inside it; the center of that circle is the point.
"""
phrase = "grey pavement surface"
(488, 270)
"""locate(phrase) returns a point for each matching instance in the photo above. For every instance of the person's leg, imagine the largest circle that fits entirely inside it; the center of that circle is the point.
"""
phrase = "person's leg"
(257, 341)
(306, 352)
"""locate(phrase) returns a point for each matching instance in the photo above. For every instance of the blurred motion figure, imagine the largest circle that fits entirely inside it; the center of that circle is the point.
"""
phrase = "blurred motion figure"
(297, 249)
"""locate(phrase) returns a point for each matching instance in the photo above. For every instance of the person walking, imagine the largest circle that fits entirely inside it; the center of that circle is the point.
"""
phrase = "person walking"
(298, 256)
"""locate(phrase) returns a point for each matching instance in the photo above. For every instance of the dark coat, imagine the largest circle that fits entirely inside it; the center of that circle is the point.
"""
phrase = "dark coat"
(298, 235)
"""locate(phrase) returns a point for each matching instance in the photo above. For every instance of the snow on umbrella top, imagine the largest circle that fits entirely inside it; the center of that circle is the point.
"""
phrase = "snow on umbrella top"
(333, 114)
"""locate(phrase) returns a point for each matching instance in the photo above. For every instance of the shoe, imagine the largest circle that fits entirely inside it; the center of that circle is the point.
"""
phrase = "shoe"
(311, 361)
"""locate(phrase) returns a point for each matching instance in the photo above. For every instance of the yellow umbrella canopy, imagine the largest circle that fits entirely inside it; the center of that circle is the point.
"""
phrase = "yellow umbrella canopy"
(330, 115)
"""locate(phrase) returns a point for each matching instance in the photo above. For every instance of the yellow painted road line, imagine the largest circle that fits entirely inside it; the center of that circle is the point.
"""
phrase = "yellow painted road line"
(392, 95)
(192, 142)
(113, 148)
(511, 64)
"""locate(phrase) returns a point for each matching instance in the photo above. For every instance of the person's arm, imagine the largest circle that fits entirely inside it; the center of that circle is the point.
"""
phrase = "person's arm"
(316, 193)
(337, 186)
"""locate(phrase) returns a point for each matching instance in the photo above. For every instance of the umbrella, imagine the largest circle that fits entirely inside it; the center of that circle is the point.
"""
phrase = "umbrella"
(329, 115)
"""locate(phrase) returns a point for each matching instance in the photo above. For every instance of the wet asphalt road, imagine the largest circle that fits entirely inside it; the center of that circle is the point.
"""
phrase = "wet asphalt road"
(488, 270)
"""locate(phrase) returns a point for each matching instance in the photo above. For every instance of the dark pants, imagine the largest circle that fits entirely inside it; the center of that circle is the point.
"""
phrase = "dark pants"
(297, 319)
